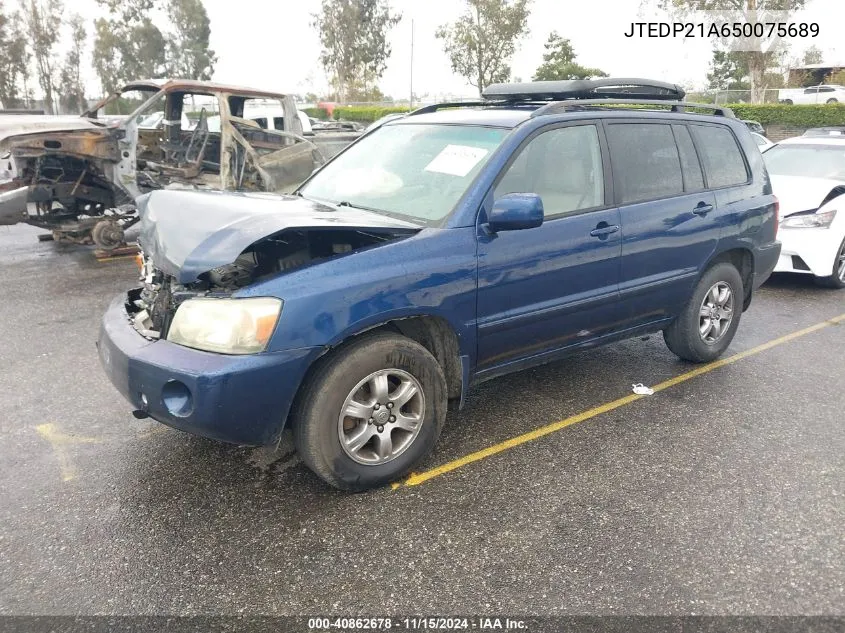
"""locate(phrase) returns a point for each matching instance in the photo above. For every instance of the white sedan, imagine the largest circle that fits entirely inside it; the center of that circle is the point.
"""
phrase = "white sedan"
(808, 178)
(762, 142)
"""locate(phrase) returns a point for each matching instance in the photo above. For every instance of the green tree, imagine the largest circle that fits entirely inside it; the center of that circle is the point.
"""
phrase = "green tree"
(71, 87)
(42, 20)
(759, 61)
(559, 62)
(127, 45)
(14, 59)
(189, 54)
(728, 71)
(353, 35)
(813, 55)
(482, 41)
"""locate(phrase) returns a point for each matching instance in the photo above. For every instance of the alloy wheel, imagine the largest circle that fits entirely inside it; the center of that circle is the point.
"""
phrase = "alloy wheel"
(381, 417)
(716, 312)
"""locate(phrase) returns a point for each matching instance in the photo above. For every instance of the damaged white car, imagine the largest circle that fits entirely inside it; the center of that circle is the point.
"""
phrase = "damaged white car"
(808, 177)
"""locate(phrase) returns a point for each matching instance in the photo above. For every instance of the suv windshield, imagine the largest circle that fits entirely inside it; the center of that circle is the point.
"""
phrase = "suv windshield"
(416, 171)
(815, 161)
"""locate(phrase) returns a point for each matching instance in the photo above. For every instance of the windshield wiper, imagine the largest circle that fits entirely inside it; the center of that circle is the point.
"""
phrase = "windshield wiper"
(346, 203)
(395, 216)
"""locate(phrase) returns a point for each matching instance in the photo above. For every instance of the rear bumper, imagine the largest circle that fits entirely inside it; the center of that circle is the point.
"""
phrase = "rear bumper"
(810, 251)
(13, 205)
(238, 399)
(765, 260)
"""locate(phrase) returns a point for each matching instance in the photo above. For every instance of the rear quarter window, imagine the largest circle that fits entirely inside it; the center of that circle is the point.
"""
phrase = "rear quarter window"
(721, 156)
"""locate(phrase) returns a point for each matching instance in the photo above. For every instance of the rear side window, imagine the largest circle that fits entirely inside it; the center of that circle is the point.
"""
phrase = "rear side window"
(645, 160)
(721, 156)
(693, 178)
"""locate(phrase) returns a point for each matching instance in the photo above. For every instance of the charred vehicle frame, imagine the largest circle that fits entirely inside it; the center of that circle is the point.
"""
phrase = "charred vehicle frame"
(79, 177)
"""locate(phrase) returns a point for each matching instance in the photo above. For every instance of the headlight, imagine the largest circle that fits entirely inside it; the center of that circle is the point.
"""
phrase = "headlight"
(228, 326)
(809, 220)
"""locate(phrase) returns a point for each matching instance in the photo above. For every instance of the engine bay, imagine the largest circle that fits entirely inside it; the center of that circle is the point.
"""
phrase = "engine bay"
(152, 306)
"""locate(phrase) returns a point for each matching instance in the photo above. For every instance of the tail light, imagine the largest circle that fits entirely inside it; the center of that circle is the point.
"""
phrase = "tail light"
(777, 215)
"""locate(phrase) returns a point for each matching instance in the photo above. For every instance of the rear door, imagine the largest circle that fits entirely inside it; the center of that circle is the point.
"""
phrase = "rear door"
(668, 217)
(553, 286)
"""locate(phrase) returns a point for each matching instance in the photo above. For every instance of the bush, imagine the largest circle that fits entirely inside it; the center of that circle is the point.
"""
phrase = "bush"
(365, 114)
(792, 115)
(320, 114)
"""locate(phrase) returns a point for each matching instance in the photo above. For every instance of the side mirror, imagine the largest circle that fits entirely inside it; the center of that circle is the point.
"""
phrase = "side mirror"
(515, 211)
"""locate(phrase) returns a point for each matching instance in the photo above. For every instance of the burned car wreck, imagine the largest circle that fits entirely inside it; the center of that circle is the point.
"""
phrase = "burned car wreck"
(185, 256)
(78, 177)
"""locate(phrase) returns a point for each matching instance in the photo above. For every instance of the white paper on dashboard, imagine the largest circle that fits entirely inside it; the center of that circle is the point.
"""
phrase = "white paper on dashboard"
(456, 160)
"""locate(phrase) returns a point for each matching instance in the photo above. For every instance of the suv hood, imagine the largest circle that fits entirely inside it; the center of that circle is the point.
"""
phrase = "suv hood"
(801, 193)
(187, 233)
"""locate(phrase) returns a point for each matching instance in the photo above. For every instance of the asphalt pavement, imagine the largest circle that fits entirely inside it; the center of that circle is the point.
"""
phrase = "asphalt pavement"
(722, 493)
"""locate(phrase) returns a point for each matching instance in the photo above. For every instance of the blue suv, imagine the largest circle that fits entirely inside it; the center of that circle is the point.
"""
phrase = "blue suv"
(444, 248)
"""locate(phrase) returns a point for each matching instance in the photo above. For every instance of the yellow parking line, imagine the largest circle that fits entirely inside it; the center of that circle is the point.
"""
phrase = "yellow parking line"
(60, 441)
(416, 479)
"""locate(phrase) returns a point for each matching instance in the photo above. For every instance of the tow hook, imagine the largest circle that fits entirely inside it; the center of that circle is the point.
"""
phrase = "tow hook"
(140, 414)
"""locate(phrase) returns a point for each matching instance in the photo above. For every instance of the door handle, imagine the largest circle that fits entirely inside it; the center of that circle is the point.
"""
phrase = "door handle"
(604, 231)
(703, 208)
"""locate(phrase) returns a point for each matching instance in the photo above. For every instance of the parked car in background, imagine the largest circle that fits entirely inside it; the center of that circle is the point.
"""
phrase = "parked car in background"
(155, 121)
(762, 141)
(444, 248)
(825, 131)
(808, 176)
(79, 176)
(268, 117)
(754, 126)
(824, 93)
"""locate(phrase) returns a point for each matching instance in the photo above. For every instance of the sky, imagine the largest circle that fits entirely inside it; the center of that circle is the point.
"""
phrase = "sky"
(270, 44)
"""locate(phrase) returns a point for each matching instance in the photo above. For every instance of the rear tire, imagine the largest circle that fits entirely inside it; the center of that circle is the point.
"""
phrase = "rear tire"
(374, 370)
(706, 326)
(788, 101)
(837, 278)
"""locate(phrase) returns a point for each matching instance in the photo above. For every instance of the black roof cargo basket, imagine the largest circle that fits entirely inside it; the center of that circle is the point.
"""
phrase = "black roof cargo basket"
(609, 87)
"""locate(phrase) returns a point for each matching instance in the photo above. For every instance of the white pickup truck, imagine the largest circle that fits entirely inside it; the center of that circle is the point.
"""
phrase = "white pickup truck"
(825, 93)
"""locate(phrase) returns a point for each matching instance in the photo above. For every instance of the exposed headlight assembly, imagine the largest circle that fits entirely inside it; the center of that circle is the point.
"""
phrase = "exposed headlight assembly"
(227, 326)
(809, 220)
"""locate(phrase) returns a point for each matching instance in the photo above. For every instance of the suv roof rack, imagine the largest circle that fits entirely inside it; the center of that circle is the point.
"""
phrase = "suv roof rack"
(562, 96)
(829, 130)
(622, 88)
(449, 104)
(674, 106)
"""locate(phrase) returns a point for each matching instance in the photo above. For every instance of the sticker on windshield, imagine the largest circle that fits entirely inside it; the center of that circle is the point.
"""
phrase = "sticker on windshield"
(456, 160)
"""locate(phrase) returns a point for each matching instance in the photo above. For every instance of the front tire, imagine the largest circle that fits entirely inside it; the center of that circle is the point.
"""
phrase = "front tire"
(837, 278)
(831, 101)
(706, 326)
(370, 411)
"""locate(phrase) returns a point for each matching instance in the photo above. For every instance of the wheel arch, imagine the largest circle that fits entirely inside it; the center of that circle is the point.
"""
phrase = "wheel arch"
(434, 333)
(742, 259)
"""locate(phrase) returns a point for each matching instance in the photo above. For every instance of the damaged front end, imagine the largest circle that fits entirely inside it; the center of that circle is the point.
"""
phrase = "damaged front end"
(210, 245)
